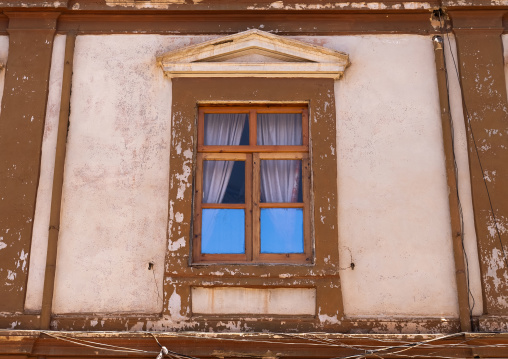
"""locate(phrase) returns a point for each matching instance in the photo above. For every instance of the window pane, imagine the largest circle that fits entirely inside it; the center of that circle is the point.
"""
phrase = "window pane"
(226, 129)
(281, 230)
(223, 231)
(281, 181)
(223, 182)
(279, 129)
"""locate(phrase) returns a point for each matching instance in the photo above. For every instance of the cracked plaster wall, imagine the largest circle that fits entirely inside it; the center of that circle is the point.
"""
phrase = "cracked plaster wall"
(393, 206)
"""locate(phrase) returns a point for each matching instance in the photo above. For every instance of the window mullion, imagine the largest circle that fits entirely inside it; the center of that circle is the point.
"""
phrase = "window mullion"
(253, 128)
(305, 127)
(306, 192)
(198, 199)
(248, 207)
(256, 185)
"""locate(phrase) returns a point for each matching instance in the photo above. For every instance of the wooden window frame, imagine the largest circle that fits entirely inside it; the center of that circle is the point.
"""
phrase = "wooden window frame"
(253, 154)
(181, 273)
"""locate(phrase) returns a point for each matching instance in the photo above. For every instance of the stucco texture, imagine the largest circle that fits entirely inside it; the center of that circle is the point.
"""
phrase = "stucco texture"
(393, 202)
(115, 193)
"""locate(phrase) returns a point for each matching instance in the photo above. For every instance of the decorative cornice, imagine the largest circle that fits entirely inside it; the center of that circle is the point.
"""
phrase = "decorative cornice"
(254, 53)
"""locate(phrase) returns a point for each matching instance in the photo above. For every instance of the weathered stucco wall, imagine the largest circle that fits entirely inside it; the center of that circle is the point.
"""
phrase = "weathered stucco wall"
(115, 194)
(393, 206)
(393, 201)
(231, 300)
(38, 250)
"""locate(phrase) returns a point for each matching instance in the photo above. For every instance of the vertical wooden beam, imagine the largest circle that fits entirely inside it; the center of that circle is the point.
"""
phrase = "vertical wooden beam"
(56, 199)
(453, 198)
(483, 84)
(21, 131)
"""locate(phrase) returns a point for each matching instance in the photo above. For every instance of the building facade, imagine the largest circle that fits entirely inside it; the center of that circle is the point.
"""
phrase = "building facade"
(265, 179)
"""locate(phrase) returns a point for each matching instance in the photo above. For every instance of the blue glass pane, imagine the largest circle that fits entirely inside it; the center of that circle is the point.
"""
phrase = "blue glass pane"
(223, 231)
(281, 230)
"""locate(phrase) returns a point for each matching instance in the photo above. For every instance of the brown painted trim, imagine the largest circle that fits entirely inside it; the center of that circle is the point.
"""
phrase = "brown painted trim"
(483, 85)
(451, 176)
(4, 23)
(21, 130)
(56, 200)
(260, 345)
(21, 20)
(478, 19)
(319, 94)
(19, 321)
(266, 5)
(295, 23)
(484, 31)
(493, 323)
(219, 324)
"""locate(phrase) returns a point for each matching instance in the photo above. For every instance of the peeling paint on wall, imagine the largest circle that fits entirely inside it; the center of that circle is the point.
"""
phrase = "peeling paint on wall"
(110, 130)
(392, 175)
(33, 301)
(118, 139)
(148, 4)
(380, 5)
(462, 159)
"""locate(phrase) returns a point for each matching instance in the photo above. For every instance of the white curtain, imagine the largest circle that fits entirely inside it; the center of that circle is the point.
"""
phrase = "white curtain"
(280, 179)
(220, 130)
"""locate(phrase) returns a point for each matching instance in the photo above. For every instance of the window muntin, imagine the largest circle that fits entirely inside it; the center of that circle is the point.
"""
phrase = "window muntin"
(261, 153)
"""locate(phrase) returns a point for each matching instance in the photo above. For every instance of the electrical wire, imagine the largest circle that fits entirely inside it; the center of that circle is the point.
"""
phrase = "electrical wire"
(468, 116)
(352, 264)
(115, 348)
(456, 172)
(100, 346)
(169, 352)
(408, 346)
(327, 342)
(156, 285)
(393, 351)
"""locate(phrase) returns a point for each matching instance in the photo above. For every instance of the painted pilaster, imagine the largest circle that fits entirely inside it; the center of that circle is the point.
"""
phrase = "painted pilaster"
(21, 130)
(481, 67)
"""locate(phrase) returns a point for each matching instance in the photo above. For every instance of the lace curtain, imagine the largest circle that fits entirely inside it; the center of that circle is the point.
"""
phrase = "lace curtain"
(220, 130)
(280, 179)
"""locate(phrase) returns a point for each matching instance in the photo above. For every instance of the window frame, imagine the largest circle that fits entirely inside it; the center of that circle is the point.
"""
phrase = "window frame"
(253, 154)
(181, 275)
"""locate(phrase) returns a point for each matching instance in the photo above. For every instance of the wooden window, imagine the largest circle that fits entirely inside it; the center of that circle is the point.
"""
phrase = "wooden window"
(252, 185)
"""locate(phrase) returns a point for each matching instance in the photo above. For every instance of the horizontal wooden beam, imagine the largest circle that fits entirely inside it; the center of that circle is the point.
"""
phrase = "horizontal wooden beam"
(213, 345)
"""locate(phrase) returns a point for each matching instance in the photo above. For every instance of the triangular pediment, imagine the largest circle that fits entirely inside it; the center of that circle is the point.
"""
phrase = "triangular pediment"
(254, 53)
